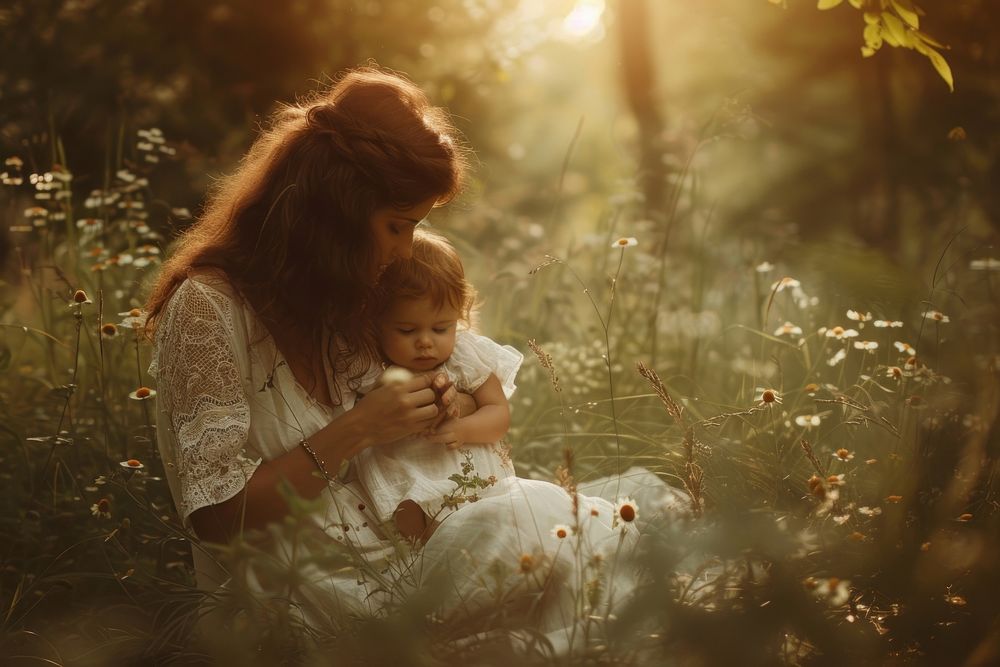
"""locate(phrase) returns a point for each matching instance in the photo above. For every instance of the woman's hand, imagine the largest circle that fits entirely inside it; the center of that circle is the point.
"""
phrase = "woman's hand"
(397, 409)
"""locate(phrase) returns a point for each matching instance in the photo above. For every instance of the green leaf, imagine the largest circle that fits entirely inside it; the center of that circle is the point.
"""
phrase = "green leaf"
(906, 12)
(873, 36)
(930, 40)
(940, 64)
(896, 31)
(828, 4)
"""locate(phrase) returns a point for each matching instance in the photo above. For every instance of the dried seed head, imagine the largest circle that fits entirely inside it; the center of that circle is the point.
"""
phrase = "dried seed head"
(80, 296)
(527, 563)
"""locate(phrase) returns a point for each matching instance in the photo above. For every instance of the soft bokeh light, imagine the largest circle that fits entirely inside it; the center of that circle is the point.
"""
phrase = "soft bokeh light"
(584, 20)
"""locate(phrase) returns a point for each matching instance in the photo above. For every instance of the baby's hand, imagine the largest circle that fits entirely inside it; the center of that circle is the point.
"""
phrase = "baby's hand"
(447, 396)
(448, 434)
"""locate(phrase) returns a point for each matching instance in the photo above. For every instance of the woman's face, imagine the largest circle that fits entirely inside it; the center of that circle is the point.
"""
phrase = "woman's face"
(392, 229)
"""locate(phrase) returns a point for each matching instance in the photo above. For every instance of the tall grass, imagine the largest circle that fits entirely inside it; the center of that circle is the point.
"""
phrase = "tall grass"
(839, 488)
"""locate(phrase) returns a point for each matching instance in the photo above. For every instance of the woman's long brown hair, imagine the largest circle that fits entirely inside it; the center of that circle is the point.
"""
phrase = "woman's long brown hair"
(290, 228)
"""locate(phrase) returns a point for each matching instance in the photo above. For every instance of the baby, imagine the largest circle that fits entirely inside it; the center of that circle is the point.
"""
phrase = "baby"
(423, 326)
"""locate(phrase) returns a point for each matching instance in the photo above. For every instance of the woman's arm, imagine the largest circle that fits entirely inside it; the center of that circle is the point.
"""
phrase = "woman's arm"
(385, 415)
(488, 423)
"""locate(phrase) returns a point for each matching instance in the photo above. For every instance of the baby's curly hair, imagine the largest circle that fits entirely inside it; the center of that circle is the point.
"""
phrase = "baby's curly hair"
(433, 270)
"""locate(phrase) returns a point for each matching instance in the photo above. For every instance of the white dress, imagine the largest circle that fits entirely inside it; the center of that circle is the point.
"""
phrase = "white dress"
(415, 469)
(227, 401)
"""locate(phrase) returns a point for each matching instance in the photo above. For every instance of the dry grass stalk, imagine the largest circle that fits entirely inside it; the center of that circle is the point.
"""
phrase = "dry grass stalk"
(545, 359)
(694, 475)
(565, 479)
(811, 455)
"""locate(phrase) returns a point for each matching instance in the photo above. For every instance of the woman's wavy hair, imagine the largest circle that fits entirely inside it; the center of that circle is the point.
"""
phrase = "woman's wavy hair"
(290, 228)
(434, 270)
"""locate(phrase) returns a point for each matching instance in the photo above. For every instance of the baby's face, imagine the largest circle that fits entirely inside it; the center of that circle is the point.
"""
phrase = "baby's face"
(418, 335)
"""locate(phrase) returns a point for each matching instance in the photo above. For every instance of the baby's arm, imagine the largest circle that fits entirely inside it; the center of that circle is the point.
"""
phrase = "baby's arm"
(488, 423)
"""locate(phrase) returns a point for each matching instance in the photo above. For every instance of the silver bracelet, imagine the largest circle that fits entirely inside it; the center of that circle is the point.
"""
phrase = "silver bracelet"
(320, 463)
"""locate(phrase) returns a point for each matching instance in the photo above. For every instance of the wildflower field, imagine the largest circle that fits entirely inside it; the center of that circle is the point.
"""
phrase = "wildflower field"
(811, 359)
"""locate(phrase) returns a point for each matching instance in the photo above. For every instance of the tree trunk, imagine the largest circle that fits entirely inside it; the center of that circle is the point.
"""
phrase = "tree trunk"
(640, 94)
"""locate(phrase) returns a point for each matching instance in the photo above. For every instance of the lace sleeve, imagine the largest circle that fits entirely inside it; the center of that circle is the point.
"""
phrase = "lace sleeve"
(476, 357)
(203, 397)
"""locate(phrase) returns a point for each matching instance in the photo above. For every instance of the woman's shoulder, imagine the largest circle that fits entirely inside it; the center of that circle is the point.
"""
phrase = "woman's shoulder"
(212, 279)
(205, 284)
(204, 294)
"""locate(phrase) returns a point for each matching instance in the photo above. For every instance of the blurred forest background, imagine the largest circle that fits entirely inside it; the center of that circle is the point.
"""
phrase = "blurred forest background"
(738, 141)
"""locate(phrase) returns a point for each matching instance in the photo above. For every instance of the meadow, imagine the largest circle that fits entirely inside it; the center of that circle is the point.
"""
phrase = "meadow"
(838, 458)
(751, 261)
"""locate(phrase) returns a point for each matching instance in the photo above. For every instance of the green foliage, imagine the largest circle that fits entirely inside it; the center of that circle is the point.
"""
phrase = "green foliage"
(896, 23)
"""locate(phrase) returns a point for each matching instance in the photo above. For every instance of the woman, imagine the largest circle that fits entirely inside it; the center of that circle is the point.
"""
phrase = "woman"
(263, 343)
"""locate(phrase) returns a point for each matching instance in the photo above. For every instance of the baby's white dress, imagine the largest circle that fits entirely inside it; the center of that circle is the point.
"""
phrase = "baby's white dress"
(415, 469)
(227, 401)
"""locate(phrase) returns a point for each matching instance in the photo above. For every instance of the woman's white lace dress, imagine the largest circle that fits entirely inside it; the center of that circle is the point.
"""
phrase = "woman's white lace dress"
(227, 401)
(415, 469)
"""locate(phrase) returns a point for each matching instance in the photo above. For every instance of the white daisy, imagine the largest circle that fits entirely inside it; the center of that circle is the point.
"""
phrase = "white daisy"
(788, 329)
(626, 510)
(808, 421)
(561, 531)
(840, 333)
(937, 316)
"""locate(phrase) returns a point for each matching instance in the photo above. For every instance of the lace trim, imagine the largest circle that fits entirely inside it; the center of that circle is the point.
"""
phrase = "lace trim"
(201, 390)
